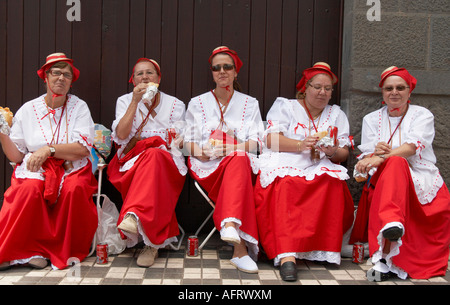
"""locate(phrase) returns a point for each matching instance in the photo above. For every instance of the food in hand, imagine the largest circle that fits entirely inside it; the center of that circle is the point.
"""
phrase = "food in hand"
(7, 114)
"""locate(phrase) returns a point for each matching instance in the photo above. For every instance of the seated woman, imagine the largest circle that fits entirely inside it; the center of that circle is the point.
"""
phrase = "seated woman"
(223, 127)
(148, 170)
(303, 204)
(48, 212)
(404, 211)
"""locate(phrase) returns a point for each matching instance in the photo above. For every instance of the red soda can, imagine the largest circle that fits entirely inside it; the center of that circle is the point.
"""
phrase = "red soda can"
(102, 254)
(192, 246)
(358, 253)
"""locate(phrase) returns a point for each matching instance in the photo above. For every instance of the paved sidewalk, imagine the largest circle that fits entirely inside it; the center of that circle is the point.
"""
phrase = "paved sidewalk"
(211, 267)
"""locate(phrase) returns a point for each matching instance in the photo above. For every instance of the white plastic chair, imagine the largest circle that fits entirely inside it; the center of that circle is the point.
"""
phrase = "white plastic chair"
(211, 203)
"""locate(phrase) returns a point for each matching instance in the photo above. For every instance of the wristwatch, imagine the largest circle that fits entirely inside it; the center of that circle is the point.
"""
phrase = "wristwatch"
(382, 157)
(52, 151)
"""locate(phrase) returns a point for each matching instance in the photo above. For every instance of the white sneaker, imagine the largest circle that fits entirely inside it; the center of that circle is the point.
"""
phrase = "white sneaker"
(230, 235)
(245, 264)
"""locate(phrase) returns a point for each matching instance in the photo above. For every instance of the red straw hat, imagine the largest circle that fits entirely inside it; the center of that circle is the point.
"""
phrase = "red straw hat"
(157, 67)
(54, 58)
(224, 49)
(402, 72)
(318, 68)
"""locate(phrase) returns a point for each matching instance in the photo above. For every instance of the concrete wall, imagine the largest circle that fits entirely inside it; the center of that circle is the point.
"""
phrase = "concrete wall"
(414, 34)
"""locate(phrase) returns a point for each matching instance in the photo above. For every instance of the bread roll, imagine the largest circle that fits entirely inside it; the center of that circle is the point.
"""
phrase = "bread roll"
(215, 142)
(152, 84)
(360, 178)
(7, 114)
(321, 134)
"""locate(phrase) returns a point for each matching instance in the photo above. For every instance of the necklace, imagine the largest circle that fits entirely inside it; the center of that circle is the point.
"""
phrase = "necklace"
(56, 132)
(311, 119)
(222, 108)
(397, 128)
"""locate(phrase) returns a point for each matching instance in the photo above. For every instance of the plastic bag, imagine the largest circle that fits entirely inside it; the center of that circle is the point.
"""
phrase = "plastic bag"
(107, 230)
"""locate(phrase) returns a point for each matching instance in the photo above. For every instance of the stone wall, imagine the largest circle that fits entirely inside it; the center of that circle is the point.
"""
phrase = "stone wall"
(414, 34)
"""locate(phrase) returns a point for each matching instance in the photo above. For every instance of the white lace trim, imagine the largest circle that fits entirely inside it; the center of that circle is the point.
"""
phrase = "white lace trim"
(204, 169)
(322, 256)
(133, 239)
(25, 260)
(297, 166)
(178, 160)
(395, 250)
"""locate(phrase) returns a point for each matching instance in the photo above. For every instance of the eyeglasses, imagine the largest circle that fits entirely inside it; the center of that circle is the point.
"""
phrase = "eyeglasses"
(398, 88)
(319, 88)
(58, 73)
(226, 67)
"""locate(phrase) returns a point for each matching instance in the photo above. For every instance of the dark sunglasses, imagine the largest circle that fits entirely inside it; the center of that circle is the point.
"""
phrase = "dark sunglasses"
(226, 67)
(398, 88)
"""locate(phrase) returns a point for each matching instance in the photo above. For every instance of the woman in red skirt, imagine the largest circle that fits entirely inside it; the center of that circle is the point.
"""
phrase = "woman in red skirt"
(48, 212)
(404, 211)
(303, 203)
(223, 126)
(148, 170)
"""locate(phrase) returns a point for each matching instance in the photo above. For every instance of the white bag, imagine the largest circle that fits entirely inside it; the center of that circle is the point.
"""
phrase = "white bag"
(107, 230)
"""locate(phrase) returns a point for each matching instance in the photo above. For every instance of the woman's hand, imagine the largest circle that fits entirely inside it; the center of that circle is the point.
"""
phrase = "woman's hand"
(38, 158)
(366, 164)
(139, 91)
(329, 151)
(382, 148)
(308, 143)
(222, 150)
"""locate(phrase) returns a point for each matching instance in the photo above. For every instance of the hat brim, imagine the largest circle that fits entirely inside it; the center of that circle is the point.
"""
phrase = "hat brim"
(42, 71)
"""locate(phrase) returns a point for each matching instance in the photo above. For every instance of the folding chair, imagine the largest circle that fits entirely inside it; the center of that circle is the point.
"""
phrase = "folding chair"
(99, 153)
(211, 203)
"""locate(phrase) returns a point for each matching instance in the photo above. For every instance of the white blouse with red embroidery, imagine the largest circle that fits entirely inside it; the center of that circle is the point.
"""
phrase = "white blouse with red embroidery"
(35, 125)
(289, 117)
(416, 128)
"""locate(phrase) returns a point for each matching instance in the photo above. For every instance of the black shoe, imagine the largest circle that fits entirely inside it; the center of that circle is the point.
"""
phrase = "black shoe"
(393, 234)
(288, 271)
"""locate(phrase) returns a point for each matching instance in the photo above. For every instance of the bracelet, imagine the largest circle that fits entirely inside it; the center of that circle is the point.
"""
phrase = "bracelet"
(299, 143)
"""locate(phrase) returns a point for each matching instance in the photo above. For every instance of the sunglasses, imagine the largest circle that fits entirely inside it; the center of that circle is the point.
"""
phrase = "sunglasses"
(226, 67)
(398, 88)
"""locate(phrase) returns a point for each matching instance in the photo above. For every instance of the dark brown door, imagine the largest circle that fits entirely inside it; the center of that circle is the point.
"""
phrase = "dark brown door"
(276, 39)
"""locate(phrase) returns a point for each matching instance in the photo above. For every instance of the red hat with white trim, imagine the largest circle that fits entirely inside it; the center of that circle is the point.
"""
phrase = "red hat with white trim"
(53, 59)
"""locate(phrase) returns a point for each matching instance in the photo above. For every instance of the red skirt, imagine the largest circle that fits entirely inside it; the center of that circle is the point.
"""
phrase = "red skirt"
(391, 197)
(150, 189)
(32, 226)
(230, 187)
(297, 215)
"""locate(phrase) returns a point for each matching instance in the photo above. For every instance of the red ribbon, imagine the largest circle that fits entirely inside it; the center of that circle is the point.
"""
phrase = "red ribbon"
(325, 169)
(50, 111)
(302, 126)
(333, 132)
(86, 140)
(420, 147)
(352, 142)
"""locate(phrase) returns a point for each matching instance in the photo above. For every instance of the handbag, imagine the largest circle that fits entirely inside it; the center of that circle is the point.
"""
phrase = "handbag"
(132, 143)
